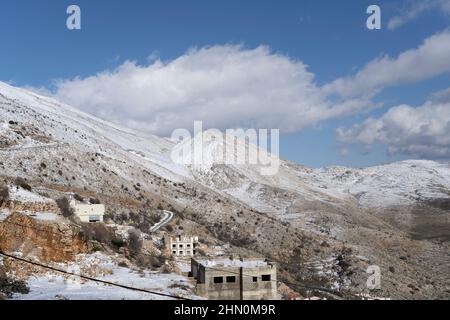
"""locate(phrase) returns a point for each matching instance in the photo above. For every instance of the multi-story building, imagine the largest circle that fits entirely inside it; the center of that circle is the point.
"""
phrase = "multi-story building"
(235, 279)
(181, 246)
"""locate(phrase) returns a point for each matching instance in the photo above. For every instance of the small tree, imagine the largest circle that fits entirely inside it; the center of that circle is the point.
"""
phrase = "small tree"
(134, 242)
(21, 182)
(77, 197)
(64, 207)
(94, 201)
(4, 194)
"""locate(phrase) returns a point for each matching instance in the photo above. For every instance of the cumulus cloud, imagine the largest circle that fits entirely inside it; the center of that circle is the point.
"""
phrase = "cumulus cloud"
(442, 96)
(420, 132)
(224, 86)
(416, 8)
(428, 60)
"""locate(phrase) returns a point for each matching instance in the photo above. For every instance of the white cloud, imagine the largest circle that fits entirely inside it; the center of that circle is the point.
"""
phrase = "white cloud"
(421, 132)
(429, 60)
(415, 9)
(224, 86)
(230, 86)
(442, 96)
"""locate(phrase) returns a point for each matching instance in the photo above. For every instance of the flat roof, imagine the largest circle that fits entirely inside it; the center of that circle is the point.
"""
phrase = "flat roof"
(224, 262)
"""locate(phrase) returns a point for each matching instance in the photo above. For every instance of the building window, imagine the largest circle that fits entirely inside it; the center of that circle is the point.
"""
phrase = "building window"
(174, 252)
(188, 245)
(231, 279)
(181, 246)
(266, 277)
(218, 279)
(193, 252)
(174, 246)
(188, 252)
(94, 219)
(181, 252)
(255, 279)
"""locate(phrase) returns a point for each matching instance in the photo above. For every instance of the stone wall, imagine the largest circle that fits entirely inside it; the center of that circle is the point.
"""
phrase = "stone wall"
(31, 206)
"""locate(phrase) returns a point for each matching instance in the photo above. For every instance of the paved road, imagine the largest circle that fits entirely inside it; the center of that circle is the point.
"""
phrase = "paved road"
(47, 146)
(168, 216)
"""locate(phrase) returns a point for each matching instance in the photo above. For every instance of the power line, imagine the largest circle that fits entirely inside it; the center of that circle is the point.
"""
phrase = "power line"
(296, 285)
(90, 278)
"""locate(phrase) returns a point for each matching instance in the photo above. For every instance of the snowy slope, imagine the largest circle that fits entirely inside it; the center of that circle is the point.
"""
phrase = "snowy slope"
(382, 186)
(388, 185)
(51, 285)
(68, 125)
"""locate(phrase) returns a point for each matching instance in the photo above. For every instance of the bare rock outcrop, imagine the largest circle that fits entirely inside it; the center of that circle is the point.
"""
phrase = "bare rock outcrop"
(46, 240)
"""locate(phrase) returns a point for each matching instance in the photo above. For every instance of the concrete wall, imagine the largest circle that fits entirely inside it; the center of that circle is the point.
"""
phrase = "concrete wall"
(219, 291)
(87, 211)
(257, 287)
(181, 246)
(249, 282)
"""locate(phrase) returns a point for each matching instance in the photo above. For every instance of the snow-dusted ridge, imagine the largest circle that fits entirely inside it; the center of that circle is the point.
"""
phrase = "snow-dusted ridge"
(388, 185)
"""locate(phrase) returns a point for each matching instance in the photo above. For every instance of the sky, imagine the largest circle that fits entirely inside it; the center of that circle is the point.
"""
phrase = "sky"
(340, 94)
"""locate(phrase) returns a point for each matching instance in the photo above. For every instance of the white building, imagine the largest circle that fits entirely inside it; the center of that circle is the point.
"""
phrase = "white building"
(88, 212)
(181, 246)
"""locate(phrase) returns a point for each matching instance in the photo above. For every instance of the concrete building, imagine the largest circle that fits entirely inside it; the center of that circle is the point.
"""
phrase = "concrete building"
(181, 246)
(235, 279)
(88, 212)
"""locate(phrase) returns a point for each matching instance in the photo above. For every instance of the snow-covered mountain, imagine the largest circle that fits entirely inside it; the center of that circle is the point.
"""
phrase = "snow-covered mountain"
(382, 186)
(58, 147)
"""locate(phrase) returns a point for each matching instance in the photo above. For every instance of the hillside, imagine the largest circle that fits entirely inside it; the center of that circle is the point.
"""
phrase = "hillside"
(308, 220)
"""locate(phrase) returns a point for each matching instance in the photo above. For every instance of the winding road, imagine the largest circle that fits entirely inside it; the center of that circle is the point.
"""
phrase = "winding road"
(168, 216)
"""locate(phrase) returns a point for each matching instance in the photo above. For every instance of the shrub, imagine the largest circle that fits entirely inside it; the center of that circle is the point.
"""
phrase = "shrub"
(94, 201)
(144, 261)
(179, 286)
(64, 207)
(117, 242)
(77, 197)
(134, 242)
(9, 286)
(21, 182)
(4, 194)
(144, 227)
(98, 232)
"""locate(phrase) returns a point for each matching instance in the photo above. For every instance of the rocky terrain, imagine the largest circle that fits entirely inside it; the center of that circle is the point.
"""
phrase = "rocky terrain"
(323, 227)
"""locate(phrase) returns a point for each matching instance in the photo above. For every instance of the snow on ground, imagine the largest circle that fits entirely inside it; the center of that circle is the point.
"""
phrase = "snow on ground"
(399, 183)
(43, 216)
(392, 184)
(51, 286)
(251, 196)
(22, 195)
(4, 213)
(183, 265)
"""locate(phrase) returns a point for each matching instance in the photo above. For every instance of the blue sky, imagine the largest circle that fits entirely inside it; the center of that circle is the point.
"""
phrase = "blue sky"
(328, 36)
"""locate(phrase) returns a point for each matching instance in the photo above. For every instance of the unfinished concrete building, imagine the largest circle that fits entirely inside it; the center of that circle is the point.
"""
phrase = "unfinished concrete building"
(181, 246)
(235, 279)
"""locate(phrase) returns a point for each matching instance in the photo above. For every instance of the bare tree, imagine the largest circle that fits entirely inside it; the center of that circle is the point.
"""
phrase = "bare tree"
(21, 182)
(134, 242)
(4, 194)
(64, 206)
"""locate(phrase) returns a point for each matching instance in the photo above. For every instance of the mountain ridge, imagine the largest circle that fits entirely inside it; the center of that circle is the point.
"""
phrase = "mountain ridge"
(300, 216)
